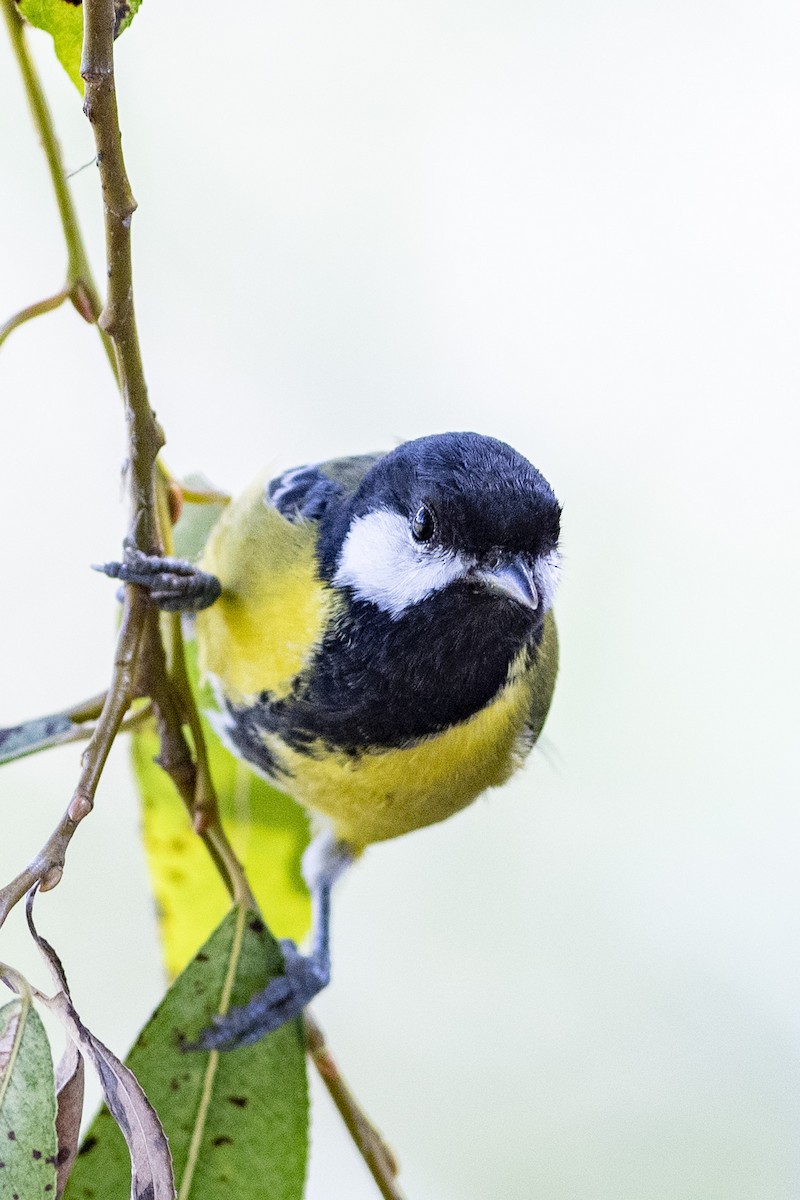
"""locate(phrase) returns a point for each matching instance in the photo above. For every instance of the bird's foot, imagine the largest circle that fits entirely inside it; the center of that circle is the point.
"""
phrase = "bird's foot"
(282, 1000)
(174, 584)
(305, 975)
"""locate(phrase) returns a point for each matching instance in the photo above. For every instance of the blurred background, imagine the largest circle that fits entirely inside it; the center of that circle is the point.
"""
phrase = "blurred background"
(573, 226)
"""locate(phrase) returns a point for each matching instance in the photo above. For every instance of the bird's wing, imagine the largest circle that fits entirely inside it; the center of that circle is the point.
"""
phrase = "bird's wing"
(274, 608)
(304, 493)
(542, 670)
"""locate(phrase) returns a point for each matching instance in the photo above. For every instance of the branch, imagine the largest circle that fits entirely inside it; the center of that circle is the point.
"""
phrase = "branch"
(118, 318)
(144, 435)
(139, 719)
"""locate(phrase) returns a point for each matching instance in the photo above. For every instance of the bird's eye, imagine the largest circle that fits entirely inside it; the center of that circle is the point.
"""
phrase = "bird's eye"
(423, 524)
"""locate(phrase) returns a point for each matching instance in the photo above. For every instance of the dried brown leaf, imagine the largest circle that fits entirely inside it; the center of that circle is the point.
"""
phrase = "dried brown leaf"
(69, 1097)
(152, 1176)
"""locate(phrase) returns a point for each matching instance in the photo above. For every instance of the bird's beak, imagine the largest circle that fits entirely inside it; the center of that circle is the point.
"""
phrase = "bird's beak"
(514, 579)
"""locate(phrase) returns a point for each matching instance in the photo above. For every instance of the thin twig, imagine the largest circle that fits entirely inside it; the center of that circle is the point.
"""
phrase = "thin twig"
(80, 285)
(369, 1143)
(86, 710)
(48, 865)
(176, 759)
(132, 724)
(32, 311)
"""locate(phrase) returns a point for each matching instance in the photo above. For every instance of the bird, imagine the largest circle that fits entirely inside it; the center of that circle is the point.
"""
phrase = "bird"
(379, 634)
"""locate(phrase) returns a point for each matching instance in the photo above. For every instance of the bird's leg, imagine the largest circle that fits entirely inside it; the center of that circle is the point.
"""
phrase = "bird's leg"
(174, 584)
(305, 975)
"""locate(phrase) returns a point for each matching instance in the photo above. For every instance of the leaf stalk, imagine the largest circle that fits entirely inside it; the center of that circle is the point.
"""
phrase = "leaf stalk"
(80, 287)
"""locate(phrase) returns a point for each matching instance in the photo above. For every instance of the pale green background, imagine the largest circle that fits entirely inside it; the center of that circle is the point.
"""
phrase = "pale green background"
(574, 226)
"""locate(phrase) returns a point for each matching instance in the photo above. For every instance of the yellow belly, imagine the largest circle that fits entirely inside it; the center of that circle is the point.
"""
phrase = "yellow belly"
(384, 793)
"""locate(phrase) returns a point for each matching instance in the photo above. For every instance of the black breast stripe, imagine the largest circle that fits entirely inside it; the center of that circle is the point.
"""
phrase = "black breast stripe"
(383, 683)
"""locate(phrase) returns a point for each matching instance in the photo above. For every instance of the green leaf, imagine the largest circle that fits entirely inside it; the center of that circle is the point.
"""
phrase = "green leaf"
(27, 1105)
(63, 20)
(237, 1123)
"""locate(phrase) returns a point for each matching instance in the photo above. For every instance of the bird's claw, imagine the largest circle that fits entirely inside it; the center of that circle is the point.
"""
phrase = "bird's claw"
(174, 584)
(281, 1000)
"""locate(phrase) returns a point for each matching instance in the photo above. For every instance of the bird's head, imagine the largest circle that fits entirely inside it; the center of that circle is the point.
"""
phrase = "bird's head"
(450, 510)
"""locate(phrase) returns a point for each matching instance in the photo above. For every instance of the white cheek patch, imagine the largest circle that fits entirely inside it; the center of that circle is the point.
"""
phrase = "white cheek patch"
(546, 574)
(383, 564)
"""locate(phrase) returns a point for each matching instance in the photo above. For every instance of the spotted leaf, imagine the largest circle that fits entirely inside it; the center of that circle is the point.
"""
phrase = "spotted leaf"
(27, 1105)
(237, 1122)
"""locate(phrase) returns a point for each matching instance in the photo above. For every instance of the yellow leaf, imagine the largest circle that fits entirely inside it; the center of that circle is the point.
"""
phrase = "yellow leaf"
(268, 831)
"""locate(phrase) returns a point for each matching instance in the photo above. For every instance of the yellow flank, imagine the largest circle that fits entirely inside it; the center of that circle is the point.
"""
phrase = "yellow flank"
(382, 794)
(273, 609)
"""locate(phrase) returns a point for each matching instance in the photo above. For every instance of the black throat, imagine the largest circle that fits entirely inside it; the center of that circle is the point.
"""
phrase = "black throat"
(379, 682)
